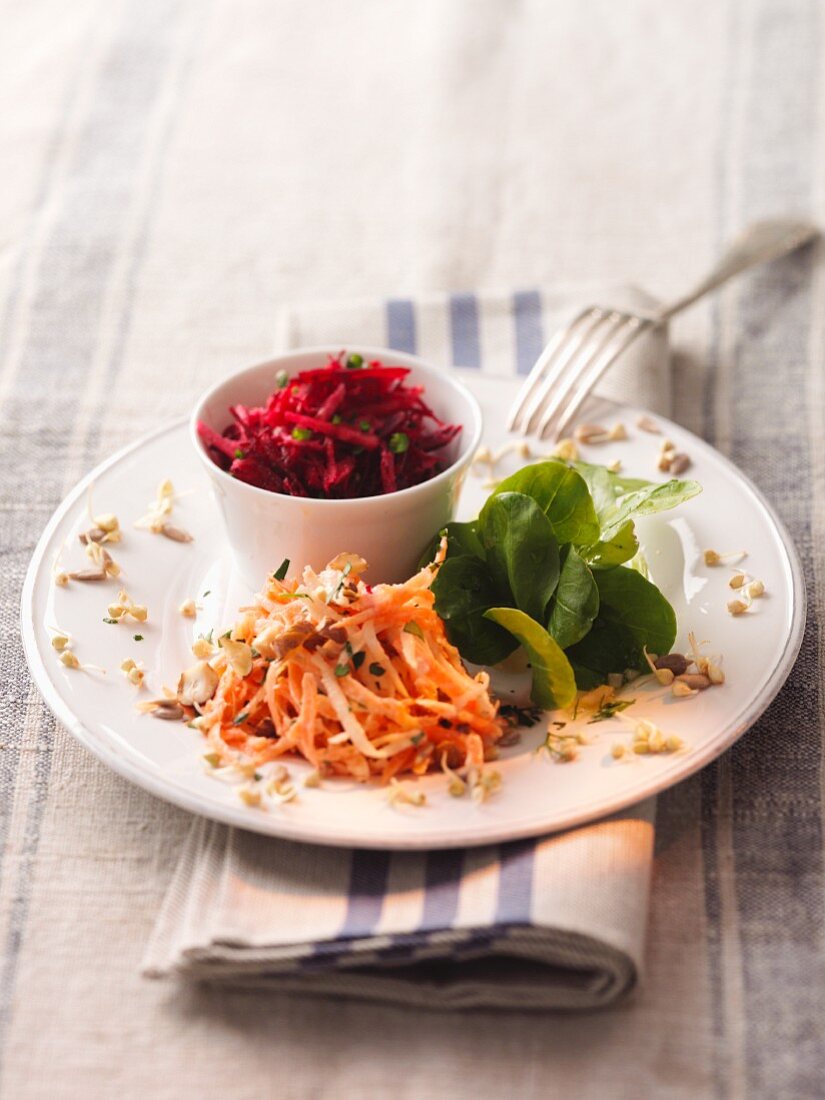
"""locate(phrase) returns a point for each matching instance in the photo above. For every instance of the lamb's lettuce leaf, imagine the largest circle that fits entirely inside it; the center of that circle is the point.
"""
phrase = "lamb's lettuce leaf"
(520, 549)
(563, 496)
(554, 684)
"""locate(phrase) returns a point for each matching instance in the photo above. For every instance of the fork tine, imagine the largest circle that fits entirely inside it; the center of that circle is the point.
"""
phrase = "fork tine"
(557, 345)
(560, 381)
(558, 416)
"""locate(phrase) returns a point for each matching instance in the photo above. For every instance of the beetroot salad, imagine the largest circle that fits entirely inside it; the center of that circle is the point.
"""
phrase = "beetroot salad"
(349, 429)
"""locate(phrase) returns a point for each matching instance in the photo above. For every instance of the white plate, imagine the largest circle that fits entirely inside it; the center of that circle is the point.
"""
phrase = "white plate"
(538, 795)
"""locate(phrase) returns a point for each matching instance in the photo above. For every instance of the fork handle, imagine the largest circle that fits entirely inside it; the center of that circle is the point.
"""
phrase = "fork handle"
(758, 244)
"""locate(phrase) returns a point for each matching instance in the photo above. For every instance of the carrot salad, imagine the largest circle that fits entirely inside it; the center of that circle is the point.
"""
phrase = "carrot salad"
(359, 680)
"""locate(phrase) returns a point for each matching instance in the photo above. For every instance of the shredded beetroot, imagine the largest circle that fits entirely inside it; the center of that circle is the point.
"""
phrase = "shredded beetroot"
(350, 429)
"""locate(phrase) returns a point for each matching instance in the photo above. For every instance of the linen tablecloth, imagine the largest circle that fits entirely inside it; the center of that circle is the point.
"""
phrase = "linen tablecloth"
(173, 171)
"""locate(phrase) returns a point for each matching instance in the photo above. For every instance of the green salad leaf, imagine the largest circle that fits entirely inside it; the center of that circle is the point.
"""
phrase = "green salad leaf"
(554, 684)
(461, 539)
(552, 563)
(633, 615)
(563, 496)
(576, 601)
(619, 501)
(521, 550)
(464, 590)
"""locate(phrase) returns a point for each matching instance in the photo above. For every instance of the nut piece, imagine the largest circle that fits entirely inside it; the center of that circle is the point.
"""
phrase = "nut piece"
(203, 648)
(249, 795)
(676, 662)
(168, 709)
(681, 690)
(696, 680)
(679, 463)
(238, 656)
(591, 433)
(87, 575)
(715, 673)
(566, 450)
(176, 534)
(197, 684)
(125, 608)
(648, 425)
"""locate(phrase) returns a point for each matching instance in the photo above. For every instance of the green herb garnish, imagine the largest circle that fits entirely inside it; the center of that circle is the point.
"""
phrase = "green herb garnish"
(376, 670)
(281, 571)
(301, 433)
(355, 361)
(336, 419)
(399, 442)
(364, 425)
(358, 659)
(206, 593)
(342, 670)
(239, 453)
(281, 379)
(414, 628)
(239, 719)
(609, 710)
(138, 637)
(111, 622)
(345, 572)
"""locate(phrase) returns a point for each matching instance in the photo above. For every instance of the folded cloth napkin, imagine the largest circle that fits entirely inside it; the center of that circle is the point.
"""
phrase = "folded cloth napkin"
(557, 922)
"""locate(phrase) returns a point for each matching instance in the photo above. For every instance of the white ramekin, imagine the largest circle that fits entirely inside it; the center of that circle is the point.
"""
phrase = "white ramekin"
(389, 531)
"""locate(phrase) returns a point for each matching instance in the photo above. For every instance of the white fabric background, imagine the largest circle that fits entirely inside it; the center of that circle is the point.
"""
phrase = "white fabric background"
(174, 172)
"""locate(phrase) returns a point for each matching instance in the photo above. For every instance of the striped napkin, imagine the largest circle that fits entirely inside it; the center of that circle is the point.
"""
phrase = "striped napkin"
(557, 922)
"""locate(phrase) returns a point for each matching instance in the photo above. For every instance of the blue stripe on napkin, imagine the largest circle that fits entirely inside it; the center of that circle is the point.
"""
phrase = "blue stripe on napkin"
(527, 320)
(401, 333)
(464, 330)
(367, 888)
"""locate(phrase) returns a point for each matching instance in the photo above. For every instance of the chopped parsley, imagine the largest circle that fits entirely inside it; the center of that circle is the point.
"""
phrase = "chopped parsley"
(399, 443)
(414, 628)
(376, 669)
(138, 637)
(281, 571)
(111, 622)
(610, 710)
(358, 659)
(345, 572)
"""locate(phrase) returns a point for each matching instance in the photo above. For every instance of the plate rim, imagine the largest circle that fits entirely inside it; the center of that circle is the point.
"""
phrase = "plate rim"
(172, 791)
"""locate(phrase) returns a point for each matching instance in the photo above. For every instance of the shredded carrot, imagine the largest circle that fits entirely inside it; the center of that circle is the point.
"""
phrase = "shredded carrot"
(359, 680)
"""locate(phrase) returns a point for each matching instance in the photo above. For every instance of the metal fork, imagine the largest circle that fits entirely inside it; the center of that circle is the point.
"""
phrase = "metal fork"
(577, 356)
